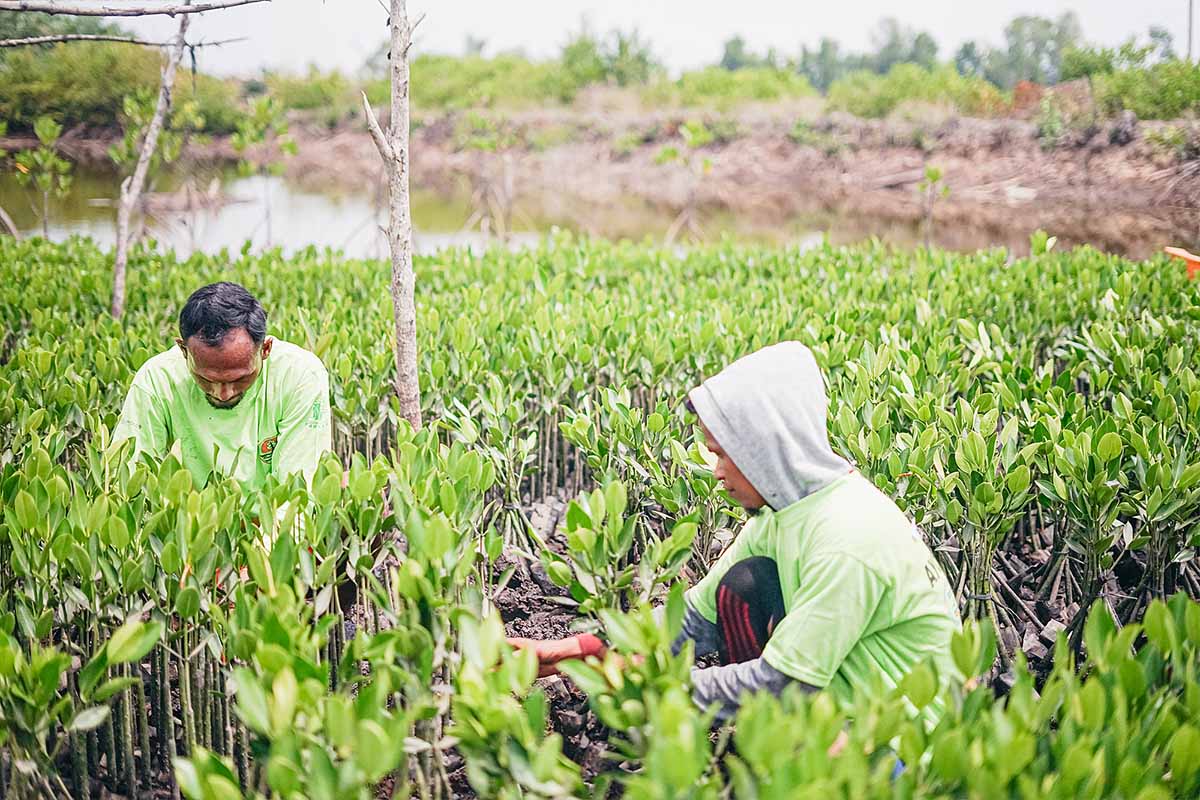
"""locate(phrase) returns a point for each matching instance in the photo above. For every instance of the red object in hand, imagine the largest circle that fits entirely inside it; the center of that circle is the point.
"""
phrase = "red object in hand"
(551, 651)
(1192, 260)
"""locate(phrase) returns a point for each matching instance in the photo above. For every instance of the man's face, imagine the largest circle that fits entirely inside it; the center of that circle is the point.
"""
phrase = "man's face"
(731, 478)
(225, 372)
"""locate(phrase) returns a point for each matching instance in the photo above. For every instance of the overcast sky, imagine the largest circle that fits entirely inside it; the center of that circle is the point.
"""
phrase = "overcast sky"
(290, 34)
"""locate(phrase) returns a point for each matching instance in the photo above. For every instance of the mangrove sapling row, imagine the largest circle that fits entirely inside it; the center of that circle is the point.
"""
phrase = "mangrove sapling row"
(1037, 417)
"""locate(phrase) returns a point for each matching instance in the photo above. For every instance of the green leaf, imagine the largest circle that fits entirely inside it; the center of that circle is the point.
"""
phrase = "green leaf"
(113, 687)
(284, 693)
(448, 498)
(283, 775)
(187, 602)
(376, 755)
(260, 572)
(622, 631)
(1159, 625)
(920, 685)
(1109, 447)
(118, 533)
(93, 671)
(329, 490)
(1185, 755)
(1098, 630)
(133, 640)
(585, 676)
(576, 517)
(251, 701)
(339, 721)
(26, 510)
(88, 719)
(1018, 480)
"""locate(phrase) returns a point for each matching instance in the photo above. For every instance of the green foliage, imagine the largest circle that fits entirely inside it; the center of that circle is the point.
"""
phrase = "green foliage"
(735, 55)
(1167, 90)
(507, 81)
(87, 83)
(331, 96)
(138, 111)
(1051, 125)
(216, 101)
(805, 134)
(599, 566)
(867, 94)
(264, 124)
(479, 132)
(76, 83)
(723, 88)
(35, 23)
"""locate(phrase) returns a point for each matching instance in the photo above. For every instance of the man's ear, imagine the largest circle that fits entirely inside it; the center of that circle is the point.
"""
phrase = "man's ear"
(266, 347)
(181, 344)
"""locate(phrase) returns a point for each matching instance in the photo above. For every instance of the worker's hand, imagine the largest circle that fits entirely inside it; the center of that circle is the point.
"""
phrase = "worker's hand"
(551, 651)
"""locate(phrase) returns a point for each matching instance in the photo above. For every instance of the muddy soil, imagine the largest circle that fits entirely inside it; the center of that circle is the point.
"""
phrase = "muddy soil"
(527, 611)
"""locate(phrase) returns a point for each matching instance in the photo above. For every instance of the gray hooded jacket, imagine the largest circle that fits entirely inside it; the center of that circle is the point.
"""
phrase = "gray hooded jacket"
(768, 412)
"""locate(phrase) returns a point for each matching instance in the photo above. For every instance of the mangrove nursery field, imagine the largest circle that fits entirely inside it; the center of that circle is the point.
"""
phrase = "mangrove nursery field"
(1038, 417)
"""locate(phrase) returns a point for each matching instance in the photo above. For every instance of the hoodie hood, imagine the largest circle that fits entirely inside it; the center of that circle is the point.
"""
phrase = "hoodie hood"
(767, 411)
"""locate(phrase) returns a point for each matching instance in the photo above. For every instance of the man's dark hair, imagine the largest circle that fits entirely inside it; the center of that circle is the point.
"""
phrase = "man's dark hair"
(215, 310)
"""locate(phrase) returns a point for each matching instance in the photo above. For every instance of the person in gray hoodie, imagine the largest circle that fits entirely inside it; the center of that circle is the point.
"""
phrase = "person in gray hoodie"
(828, 585)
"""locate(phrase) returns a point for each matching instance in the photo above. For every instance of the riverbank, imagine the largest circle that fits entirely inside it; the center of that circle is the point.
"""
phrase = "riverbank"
(1120, 186)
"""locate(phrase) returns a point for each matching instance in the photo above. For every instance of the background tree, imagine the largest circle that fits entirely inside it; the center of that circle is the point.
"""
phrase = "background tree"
(969, 59)
(895, 43)
(1033, 50)
(826, 63)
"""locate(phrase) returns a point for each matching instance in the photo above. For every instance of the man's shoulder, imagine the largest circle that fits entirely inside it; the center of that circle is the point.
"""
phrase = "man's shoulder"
(293, 366)
(162, 371)
(860, 520)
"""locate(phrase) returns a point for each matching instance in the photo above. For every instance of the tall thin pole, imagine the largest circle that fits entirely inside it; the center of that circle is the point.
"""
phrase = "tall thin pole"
(1191, 26)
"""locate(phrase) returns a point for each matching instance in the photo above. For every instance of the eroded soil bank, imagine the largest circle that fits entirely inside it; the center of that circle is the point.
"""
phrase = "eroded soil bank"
(1119, 186)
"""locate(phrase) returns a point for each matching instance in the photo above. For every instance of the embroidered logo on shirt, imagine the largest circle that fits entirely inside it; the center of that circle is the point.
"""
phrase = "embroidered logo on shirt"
(266, 448)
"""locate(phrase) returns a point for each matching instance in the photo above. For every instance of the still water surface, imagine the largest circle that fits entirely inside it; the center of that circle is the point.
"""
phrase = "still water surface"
(272, 211)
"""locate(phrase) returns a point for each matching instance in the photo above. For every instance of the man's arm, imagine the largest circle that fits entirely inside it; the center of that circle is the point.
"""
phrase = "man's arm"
(305, 432)
(726, 685)
(143, 419)
(697, 629)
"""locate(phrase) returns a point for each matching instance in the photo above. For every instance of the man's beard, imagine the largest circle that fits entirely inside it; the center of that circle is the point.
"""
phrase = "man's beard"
(226, 405)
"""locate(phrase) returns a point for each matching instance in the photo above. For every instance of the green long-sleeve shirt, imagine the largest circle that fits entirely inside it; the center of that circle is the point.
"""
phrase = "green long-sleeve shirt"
(865, 598)
(281, 426)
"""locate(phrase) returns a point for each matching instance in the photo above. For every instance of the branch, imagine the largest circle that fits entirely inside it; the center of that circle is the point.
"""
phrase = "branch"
(381, 142)
(95, 10)
(88, 37)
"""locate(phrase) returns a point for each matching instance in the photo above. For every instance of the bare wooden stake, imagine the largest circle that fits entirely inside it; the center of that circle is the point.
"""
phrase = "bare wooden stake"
(393, 149)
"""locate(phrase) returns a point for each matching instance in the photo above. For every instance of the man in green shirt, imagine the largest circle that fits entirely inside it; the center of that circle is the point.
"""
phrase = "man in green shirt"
(828, 584)
(233, 400)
